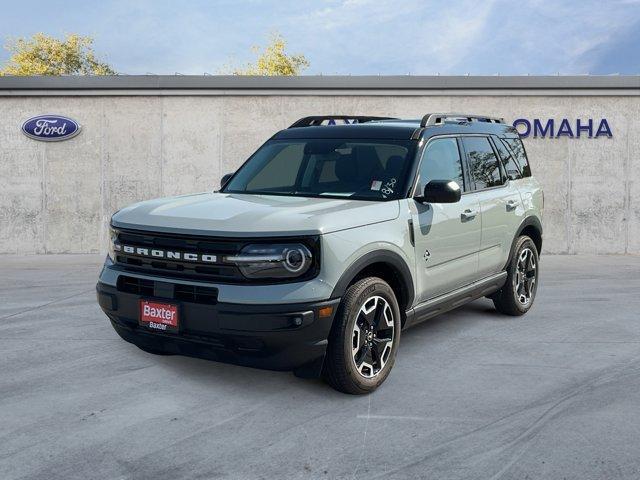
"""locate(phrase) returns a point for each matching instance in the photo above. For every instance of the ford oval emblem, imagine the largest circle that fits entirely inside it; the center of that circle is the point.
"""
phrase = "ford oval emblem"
(50, 128)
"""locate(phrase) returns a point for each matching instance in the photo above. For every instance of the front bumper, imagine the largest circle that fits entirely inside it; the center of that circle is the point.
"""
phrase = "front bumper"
(275, 337)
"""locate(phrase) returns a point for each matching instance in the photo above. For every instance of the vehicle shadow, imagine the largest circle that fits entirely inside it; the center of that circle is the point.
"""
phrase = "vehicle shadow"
(452, 322)
(229, 376)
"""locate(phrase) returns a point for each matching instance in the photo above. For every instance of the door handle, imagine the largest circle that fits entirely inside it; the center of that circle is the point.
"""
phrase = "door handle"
(468, 215)
(512, 205)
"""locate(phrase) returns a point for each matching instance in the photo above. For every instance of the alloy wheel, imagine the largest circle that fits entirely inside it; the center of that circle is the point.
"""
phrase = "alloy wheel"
(526, 276)
(372, 337)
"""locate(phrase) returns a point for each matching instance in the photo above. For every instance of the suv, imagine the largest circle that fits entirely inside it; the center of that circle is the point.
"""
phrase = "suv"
(335, 235)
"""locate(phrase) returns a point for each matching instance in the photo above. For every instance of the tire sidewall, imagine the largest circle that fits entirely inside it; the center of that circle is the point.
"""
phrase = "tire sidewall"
(376, 288)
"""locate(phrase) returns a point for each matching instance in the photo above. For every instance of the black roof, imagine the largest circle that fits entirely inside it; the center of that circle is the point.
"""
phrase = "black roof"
(382, 130)
(395, 129)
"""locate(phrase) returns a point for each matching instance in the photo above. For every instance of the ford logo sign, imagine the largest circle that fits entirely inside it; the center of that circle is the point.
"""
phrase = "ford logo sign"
(50, 128)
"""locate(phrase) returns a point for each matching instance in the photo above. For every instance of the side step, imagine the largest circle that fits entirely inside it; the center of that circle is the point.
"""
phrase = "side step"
(454, 299)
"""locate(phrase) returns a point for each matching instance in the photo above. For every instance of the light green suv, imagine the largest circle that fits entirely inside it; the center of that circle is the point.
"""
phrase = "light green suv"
(334, 236)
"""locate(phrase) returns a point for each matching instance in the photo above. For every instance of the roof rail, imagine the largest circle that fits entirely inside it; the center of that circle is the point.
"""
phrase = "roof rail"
(431, 119)
(318, 119)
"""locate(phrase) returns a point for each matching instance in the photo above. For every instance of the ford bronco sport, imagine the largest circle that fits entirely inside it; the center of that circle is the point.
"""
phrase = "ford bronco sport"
(327, 242)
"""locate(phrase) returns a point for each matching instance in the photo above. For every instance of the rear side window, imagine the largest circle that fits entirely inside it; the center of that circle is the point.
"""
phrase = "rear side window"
(508, 162)
(517, 148)
(483, 163)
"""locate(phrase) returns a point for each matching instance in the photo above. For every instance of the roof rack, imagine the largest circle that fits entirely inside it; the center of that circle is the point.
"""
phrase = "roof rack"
(318, 119)
(431, 119)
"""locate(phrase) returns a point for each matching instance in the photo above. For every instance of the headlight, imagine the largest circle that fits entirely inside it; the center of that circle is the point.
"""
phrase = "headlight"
(113, 236)
(273, 261)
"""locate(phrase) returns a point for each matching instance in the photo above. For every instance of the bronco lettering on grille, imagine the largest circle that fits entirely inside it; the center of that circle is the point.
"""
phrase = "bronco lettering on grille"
(165, 254)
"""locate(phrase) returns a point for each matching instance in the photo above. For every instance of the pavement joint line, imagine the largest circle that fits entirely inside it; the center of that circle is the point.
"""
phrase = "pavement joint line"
(506, 340)
(45, 305)
(416, 418)
(364, 438)
(531, 428)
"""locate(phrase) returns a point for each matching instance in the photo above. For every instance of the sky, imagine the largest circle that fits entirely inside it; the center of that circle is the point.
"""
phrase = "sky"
(356, 37)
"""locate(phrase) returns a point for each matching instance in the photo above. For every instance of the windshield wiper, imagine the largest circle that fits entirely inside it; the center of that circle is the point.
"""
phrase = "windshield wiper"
(265, 192)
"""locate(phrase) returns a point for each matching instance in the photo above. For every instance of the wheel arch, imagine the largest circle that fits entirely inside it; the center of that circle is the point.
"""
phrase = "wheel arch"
(532, 227)
(387, 265)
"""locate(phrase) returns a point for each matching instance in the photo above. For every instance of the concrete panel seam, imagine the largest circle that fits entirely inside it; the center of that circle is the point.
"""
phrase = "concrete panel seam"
(43, 217)
(103, 227)
(627, 196)
(161, 146)
(569, 216)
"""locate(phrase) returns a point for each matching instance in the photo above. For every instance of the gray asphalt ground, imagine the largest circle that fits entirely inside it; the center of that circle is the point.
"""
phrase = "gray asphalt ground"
(552, 395)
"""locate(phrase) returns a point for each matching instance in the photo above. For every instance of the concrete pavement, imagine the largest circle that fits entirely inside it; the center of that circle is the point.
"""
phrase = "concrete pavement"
(473, 394)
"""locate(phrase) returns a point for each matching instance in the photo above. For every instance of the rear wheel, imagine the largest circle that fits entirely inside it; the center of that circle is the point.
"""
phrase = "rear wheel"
(364, 338)
(519, 291)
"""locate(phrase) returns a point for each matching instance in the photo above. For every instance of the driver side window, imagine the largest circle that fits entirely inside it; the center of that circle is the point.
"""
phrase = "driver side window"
(441, 161)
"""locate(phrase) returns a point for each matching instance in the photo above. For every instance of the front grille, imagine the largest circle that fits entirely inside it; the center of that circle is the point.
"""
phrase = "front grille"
(174, 291)
(219, 272)
(195, 293)
(137, 286)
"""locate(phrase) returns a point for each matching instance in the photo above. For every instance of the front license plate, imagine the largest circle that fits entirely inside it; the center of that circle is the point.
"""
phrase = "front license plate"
(159, 316)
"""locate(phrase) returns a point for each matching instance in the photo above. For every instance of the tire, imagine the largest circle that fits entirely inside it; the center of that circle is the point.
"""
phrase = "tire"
(154, 351)
(519, 291)
(369, 317)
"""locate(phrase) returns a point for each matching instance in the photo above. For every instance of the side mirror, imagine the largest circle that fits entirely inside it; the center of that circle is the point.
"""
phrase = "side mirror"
(225, 179)
(441, 191)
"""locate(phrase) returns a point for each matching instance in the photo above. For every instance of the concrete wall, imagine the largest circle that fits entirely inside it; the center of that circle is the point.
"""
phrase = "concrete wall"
(58, 197)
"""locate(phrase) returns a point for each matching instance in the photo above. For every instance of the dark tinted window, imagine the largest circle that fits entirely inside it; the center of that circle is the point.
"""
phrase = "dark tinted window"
(281, 172)
(508, 162)
(516, 146)
(483, 164)
(441, 161)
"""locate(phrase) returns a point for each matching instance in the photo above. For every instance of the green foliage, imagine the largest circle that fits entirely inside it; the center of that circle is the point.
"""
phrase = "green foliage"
(45, 55)
(273, 60)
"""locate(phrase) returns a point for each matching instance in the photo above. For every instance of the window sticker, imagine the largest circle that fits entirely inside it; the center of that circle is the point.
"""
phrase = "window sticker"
(376, 185)
(388, 187)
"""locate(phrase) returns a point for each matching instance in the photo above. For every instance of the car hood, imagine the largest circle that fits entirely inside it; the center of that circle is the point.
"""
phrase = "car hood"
(250, 215)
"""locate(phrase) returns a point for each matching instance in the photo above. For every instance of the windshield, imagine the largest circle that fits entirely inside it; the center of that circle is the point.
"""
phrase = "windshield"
(355, 169)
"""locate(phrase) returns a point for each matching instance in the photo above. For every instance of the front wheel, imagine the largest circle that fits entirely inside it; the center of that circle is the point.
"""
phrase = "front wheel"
(364, 338)
(519, 291)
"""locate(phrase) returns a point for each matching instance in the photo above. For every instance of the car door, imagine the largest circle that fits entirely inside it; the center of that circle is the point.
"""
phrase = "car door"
(500, 203)
(447, 235)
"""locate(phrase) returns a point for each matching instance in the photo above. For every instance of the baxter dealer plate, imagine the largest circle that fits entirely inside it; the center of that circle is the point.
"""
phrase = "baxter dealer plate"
(163, 317)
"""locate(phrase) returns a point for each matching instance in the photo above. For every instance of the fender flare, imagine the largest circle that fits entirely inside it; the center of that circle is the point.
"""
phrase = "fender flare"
(378, 256)
(532, 221)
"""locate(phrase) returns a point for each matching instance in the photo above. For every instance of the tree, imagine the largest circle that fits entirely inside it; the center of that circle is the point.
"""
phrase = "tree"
(273, 60)
(45, 55)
